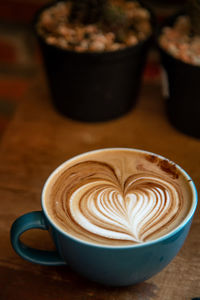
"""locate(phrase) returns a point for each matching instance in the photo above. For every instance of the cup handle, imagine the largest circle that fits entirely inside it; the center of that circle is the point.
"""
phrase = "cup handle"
(26, 222)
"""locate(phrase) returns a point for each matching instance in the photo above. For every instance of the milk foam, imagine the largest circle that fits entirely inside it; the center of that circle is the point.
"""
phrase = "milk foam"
(107, 201)
(103, 210)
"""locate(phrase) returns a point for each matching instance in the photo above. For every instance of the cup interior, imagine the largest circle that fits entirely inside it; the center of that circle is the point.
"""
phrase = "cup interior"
(187, 179)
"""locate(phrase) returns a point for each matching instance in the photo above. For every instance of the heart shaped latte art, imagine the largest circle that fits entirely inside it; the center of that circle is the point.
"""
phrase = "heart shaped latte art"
(94, 202)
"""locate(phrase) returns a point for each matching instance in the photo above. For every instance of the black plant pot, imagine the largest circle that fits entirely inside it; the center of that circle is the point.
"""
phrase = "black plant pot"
(183, 100)
(93, 86)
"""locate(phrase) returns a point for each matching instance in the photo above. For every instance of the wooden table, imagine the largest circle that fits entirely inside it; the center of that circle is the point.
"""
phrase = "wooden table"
(38, 140)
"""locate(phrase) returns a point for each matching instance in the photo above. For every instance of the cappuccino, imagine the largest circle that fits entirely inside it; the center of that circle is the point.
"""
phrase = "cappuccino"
(117, 197)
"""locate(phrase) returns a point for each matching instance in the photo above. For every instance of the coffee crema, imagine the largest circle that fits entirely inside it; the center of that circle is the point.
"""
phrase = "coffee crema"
(118, 197)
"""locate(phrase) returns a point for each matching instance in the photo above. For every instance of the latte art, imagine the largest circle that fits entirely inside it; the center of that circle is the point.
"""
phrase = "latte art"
(100, 203)
(135, 213)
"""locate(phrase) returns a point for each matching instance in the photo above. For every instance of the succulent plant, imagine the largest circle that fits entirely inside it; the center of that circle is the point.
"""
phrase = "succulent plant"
(193, 8)
(87, 11)
(108, 16)
(115, 20)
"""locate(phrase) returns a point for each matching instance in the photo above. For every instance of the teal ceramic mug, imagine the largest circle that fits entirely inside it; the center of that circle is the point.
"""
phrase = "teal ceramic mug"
(107, 264)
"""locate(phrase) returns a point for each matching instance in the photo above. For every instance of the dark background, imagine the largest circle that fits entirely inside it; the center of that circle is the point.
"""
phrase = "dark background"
(20, 59)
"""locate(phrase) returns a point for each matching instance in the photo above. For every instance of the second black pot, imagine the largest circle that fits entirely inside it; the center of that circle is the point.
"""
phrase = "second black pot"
(183, 99)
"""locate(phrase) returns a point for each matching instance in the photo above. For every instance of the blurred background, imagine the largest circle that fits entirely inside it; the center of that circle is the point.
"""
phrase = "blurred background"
(20, 60)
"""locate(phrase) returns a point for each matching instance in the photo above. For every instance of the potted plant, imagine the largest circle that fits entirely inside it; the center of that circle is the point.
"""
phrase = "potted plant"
(179, 44)
(94, 52)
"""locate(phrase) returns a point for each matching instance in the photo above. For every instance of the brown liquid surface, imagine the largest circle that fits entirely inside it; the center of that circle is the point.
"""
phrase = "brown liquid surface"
(118, 197)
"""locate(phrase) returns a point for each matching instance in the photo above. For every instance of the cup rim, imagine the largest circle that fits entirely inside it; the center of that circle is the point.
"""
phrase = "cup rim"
(143, 244)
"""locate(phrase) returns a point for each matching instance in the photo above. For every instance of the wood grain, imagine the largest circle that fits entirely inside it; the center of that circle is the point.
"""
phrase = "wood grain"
(38, 140)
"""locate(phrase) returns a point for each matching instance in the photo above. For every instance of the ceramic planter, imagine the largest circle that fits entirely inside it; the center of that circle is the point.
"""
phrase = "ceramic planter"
(183, 90)
(93, 86)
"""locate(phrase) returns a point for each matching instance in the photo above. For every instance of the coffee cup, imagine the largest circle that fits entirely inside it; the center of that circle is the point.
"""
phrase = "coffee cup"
(117, 216)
